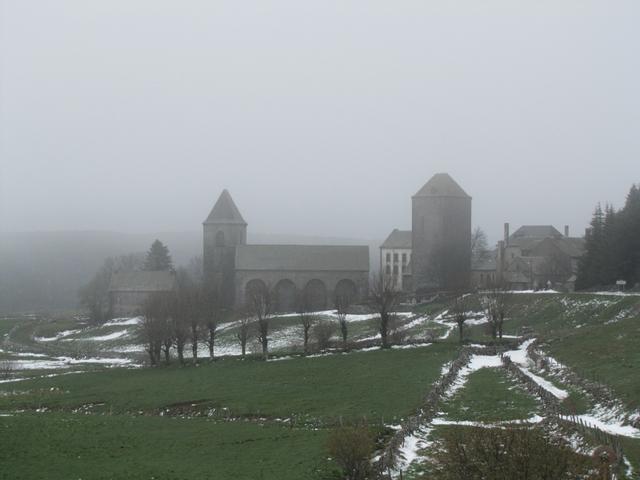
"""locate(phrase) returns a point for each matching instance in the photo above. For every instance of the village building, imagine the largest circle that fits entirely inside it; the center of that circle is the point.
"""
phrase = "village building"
(538, 256)
(437, 248)
(313, 274)
(395, 257)
(128, 291)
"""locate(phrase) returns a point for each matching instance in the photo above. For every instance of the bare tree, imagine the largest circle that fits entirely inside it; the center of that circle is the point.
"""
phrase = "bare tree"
(502, 305)
(383, 298)
(260, 305)
(152, 328)
(211, 315)
(179, 321)
(479, 246)
(306, 319)
(342, 305)
(195, 312)
(459, 312)
(244, 333)
(488, 302)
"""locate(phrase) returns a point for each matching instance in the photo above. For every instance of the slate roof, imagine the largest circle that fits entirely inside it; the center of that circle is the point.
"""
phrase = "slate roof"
(144, 281)
(225, 211)
(302, 258)
(398, 239)
(441, 185)
(572, 246)
(536, 231)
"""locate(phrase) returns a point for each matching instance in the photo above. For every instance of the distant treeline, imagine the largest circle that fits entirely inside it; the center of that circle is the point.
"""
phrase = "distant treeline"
(612, 245)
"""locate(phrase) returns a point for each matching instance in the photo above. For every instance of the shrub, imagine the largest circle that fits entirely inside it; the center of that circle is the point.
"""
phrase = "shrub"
(323, 331)
(352, 447)
(504, 454)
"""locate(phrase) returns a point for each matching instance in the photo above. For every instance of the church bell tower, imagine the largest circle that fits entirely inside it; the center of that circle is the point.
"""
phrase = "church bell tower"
(224, 229)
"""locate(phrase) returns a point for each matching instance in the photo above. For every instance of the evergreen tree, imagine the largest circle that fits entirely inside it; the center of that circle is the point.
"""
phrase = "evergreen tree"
(612, 245)
(158, 257)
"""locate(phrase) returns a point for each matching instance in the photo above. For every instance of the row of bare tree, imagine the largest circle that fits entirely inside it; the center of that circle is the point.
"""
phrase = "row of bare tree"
(495, 303)
(190, 316)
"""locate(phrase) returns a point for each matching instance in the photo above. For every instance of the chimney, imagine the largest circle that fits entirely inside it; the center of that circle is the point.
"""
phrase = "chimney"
(566, 231)
(506, 233)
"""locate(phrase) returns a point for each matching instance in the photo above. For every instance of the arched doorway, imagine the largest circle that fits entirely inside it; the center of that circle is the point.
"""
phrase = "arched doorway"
(285, 296)
(316, 295)
(347, 290)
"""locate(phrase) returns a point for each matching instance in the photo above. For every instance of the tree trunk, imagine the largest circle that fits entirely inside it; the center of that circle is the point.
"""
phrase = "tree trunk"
(265, 348)
(194, 349)
(180, 348)
(343, 331)
(243, 346)
(461, 331)
(384, 329)
(306, 340)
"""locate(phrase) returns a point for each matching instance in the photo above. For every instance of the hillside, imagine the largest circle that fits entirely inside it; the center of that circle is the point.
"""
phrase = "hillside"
(573, 376)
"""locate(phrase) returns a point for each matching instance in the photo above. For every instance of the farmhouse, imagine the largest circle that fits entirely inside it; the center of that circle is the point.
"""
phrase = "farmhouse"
(128, 291)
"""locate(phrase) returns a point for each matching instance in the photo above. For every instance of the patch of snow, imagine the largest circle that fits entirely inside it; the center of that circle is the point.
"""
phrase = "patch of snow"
(609, 427)
(58, 336)
(117, 322)
(409, 451)
(522, 360)
(111, 336)
(443, 421)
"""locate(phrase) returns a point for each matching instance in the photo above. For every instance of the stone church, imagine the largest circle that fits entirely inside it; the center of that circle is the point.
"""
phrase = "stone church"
(436, 253)
(318, 273)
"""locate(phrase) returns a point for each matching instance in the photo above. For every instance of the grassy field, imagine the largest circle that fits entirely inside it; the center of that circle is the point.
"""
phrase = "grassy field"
(490, 396)
(63, 446)
(596, 335)
(375, 384)
(250, 419)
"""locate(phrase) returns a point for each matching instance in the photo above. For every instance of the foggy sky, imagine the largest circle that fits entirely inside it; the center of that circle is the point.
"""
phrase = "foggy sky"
(321, 118)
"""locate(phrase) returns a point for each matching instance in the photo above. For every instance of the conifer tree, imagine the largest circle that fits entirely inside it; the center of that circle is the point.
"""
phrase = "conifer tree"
(158, 257)
(612, 245)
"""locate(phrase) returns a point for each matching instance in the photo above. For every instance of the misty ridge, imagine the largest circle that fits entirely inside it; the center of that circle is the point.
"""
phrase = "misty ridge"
(43, 271)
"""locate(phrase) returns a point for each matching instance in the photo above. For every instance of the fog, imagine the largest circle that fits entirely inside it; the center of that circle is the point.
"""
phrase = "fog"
(321, 118)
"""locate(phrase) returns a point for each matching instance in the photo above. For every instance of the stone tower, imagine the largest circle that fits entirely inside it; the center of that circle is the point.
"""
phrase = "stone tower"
(441, 219)
(224, 229)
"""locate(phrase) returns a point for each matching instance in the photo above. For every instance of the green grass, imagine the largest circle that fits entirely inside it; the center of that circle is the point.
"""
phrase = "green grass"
(582, 331)
(490, 396)
(374, 384)
(62, 446)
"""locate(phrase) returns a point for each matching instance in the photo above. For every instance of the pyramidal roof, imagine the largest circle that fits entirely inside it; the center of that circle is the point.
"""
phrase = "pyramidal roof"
(225, 211)
(441, 185)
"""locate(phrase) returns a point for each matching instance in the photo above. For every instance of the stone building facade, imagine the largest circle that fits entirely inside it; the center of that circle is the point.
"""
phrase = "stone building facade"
(440, 239)
(538, 256)
(395, 258)
(233, 269)
(128, 291)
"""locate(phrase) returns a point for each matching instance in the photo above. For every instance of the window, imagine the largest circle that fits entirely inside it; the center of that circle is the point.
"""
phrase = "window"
(388, 257)
(395, 258)
(388, 270)
(404, 258)
(395, 269)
